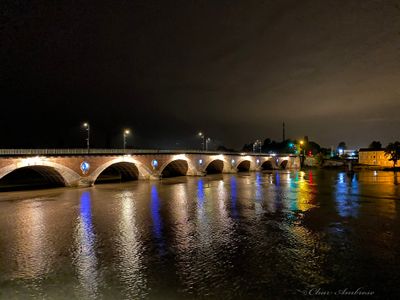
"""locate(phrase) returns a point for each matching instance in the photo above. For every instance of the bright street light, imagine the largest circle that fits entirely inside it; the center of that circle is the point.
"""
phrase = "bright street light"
(86, 125)
(203, 141)
(126, 133)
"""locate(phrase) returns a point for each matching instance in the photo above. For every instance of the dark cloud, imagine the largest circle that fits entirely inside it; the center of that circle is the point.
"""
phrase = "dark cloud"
(236, 69)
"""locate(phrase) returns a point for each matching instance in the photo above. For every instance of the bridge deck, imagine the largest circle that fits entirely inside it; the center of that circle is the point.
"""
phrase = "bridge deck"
(79, 151)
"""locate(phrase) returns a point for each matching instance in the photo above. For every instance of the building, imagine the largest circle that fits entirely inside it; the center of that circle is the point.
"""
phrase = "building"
(349, 154)
(374, 157)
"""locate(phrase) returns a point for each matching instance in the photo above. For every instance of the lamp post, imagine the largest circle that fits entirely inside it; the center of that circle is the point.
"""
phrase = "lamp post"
(208, 140)
(125, 134)
(302, 153)
(86, 125)
(203, 141)
(257, 146)
(302, 148)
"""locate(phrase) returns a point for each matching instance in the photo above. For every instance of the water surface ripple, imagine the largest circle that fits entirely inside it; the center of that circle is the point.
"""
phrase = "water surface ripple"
(243, 236)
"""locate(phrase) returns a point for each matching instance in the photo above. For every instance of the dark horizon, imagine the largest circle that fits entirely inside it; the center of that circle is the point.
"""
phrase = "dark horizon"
(330, 70)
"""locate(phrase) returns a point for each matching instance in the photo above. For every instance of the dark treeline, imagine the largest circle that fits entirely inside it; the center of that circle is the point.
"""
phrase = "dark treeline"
(304, 146)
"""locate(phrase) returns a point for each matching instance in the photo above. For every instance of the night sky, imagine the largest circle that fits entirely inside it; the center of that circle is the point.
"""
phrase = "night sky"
(234, 69)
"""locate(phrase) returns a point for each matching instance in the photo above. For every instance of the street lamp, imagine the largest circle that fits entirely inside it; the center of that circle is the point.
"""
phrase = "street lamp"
(208, 140)
(203, 143)
(302, 148)
(86, 125)
(126, 133)
(257, 145)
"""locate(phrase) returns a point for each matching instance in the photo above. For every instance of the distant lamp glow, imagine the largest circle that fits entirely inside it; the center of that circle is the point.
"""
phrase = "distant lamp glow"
(200, 161)
(232, 162)
(258, 161)
(154, 163)
(301, 142)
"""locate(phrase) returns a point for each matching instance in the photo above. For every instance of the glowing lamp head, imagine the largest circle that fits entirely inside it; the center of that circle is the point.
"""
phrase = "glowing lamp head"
(86, 124)
(301, 142)
(127, 131)
(200, 134)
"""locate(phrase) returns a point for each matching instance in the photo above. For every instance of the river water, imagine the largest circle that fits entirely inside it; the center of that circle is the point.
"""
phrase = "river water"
(245, 236)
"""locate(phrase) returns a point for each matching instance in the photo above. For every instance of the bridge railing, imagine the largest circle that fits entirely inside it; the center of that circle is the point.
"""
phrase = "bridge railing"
(80, 151)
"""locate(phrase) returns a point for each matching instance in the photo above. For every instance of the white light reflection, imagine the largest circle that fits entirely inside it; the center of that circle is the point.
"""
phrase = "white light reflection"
(84, 255)
(129, 248)
(33, 256)
(180, 212)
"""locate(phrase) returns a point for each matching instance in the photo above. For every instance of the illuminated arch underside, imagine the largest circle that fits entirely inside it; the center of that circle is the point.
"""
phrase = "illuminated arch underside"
(284, 164)
(244, 166)
(175, 168)
(267, 165)
(118, 172)
(215, 167)
(32, 177)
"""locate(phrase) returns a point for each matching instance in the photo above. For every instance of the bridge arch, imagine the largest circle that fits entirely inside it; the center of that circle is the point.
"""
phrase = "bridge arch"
(215, 166)
(52, 174)
(244, 165)
(118, 172)
(126, 168)
(267, 165)
(284, 164)
(177, 165)
(174, 168)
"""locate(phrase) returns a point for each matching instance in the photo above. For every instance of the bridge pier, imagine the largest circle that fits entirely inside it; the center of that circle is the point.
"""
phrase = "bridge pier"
(83, 182)
(155, 176)
(196, 173)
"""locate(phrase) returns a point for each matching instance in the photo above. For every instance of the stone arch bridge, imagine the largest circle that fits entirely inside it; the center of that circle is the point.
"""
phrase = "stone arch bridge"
(77, 167)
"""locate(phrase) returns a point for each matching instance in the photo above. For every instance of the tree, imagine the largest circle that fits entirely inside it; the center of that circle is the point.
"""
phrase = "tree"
(342, 145)
(375, 145)
(393, 152)
(224, 149)
(313, 147)
(247, 147)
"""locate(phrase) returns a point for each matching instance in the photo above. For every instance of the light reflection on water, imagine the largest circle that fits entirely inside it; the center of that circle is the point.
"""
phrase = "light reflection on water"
(84, 255)
(222, 236)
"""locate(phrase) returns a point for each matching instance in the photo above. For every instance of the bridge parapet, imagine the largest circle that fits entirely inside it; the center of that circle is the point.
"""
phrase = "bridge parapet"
(95, 151)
